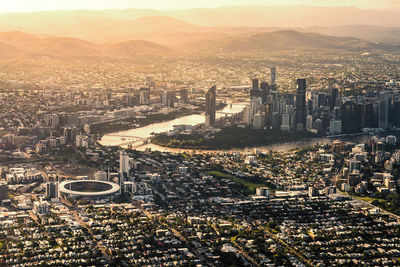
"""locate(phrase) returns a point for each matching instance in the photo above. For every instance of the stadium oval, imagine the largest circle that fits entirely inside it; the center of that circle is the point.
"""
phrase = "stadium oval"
(88, 188)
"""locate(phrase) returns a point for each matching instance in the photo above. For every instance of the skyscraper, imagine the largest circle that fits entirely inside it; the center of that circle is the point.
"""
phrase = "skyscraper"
(334, 95)
(351, 116)
(144, 96)
(52, 190)
(383, 111)
(273, 75)
(211, 98)
(184, 95)
(254, 84)
(168, 98)
(123, 162)
(265, 88)
(301, 102)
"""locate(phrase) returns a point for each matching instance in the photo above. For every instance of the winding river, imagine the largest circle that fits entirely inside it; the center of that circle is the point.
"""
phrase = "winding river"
(114, 139)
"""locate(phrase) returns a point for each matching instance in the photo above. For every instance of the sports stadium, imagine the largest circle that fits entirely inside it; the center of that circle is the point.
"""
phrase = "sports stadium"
(89, 188)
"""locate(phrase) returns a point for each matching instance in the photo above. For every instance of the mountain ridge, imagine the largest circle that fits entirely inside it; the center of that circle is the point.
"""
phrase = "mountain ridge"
(74, 48)
(289, 40)
(19, 43)
(120, 25)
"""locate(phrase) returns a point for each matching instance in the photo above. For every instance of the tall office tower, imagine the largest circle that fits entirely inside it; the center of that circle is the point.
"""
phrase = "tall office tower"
(123, 162)
(246, 115)
(265, 88)
(164, 97)
(333, 97)
(254, 84)
(383, 114)
(171, 99)
(369, 118)
(310, 107)
(211, 98)
(301, 102)
(168, 98)
(52, 190)
(335, 127)
(273, 76)
(395, 112)
(269, 112)
(322, 100)
(255, 106)
(144, 96)
(184, 95)
(68, 134)
(351, 117)
(336, 113)
(257, 93)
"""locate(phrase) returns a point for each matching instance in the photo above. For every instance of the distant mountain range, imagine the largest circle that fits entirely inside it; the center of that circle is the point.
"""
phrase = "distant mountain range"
(18, 44)
(286, 40)
(148, 34)
(180, 27)
(227, 16)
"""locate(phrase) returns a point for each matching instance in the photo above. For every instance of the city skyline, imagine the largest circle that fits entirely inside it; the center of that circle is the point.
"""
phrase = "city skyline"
(182, 133)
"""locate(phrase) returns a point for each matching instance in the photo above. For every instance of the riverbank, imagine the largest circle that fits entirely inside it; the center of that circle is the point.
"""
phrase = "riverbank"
(132, 123)
(145, 132)
(231, 138)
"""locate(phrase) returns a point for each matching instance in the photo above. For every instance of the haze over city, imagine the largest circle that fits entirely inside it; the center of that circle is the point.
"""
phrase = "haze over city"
(40, 5)
(200, 133)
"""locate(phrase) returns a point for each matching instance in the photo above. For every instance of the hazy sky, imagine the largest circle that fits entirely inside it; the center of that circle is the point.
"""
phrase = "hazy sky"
(36, 5)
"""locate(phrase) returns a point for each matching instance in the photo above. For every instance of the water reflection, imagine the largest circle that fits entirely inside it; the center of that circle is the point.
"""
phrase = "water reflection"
(114, 139)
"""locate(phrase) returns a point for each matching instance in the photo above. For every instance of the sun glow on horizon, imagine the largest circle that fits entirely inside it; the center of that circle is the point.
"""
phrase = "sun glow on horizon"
(44, 5)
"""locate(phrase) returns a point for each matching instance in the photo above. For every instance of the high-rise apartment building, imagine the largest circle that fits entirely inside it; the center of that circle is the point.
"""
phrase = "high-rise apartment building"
(52, 190)
(211, 98)
(144, 96)
(124, 166)
(273, 76)
(184, 95)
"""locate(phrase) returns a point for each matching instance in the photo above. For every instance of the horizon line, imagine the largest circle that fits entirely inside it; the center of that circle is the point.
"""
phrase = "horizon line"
(193, 8)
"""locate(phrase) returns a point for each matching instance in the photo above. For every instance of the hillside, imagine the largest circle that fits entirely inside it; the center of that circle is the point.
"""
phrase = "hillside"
(365, 32)
(9, 51)
(287, 40)
(136, 48)
(20, 44)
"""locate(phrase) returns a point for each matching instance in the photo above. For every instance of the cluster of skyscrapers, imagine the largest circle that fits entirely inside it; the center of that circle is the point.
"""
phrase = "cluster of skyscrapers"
(316, 111)
(270, 110)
